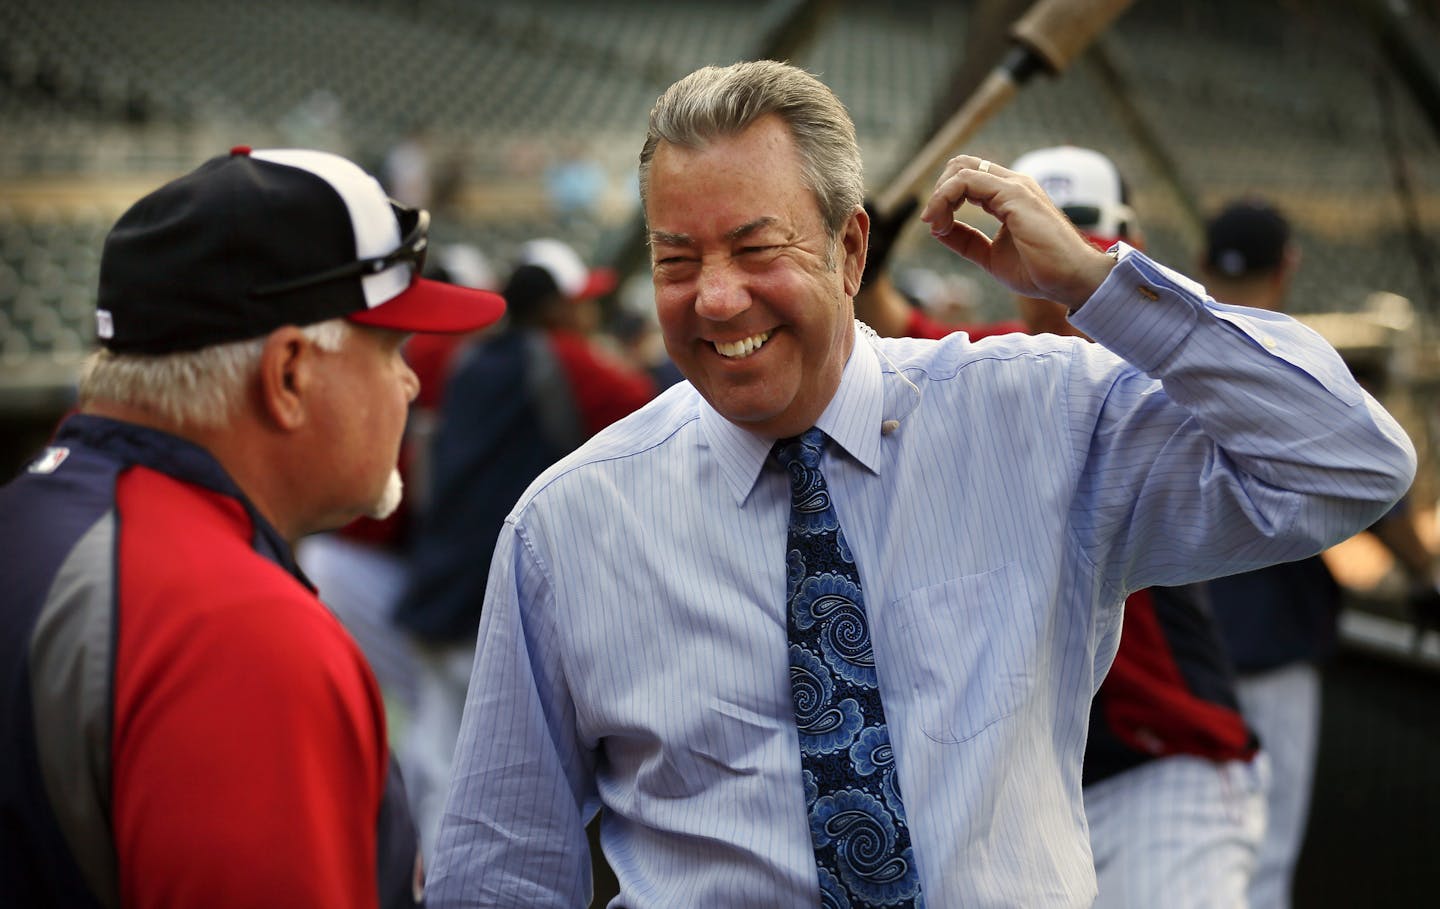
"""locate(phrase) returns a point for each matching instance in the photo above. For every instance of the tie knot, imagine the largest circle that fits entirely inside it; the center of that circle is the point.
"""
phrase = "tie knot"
(803, 449)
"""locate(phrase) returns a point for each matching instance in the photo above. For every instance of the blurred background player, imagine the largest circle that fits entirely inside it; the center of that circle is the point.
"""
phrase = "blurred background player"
(557, 387)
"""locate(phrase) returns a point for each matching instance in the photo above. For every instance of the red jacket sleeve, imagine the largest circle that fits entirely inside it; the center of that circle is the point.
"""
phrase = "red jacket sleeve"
(605, 390)
(919, 325)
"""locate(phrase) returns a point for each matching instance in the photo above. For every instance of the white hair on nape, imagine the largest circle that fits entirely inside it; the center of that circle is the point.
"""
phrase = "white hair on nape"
(195, 388)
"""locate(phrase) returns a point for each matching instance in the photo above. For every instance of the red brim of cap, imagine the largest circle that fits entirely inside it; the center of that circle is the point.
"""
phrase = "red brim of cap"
(1104, 243)
(598, 283)
(434, 306)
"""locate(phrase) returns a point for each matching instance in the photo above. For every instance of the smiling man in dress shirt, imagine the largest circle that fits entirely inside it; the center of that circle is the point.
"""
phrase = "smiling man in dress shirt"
(998, 501)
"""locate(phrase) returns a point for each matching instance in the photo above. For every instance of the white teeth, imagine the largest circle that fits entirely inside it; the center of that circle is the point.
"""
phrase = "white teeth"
(742, 348)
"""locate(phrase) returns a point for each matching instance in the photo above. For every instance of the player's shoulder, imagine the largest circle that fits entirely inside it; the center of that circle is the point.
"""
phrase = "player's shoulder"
(197, 547)
(212, 602)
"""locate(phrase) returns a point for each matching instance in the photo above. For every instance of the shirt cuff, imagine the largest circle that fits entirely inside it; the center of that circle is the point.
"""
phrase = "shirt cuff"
(1143, 311)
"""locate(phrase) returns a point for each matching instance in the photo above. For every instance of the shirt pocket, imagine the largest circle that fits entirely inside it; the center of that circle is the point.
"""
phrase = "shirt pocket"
(970, 645)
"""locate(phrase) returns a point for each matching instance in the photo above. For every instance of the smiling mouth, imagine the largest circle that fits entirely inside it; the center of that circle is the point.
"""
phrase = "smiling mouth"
(743, 348)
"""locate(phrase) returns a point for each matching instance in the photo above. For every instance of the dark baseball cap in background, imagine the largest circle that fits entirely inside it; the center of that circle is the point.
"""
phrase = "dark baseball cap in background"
(254, 240)
(1247, 237)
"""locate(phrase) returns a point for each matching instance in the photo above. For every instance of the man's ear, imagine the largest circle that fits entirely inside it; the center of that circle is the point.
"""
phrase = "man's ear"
(1290, 259)
(287, 364)
(854, 239)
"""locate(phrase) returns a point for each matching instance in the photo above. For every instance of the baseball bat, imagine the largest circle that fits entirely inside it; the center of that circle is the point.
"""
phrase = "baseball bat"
(1048, 37)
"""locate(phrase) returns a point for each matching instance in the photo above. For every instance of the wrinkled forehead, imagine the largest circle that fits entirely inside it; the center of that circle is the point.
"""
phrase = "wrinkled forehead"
(732, 187)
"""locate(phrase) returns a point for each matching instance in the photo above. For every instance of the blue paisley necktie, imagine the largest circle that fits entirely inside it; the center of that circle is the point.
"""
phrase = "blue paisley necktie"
(857, 821)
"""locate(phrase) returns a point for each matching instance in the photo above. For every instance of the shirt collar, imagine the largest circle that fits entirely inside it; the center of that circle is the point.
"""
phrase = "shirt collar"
(851, 419)
(131, 443)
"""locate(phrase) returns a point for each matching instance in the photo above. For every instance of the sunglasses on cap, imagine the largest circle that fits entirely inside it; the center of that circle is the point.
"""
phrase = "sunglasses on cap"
(1109, 220)
(414, 223)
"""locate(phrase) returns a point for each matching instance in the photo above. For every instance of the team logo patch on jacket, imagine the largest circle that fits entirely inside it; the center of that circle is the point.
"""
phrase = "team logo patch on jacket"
(50, 459)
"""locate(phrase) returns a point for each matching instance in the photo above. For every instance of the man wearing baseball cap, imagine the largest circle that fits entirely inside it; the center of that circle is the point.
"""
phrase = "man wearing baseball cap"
(188, 725)
(1086, 185)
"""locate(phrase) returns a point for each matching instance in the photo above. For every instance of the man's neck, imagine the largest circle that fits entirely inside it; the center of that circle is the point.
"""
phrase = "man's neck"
(235, 444)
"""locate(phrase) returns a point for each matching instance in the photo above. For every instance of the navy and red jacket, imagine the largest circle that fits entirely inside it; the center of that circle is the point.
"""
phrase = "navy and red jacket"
(185, 724)
(516, 403)
(1278, 615)
(1170, 691)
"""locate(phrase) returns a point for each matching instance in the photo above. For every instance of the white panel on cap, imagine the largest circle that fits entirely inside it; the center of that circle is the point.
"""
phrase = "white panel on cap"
(376, 231)
(1071, 175)
(560, 260)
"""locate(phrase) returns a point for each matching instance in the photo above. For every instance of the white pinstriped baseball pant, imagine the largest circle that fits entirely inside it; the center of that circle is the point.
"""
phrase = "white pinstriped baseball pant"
(1179, 832)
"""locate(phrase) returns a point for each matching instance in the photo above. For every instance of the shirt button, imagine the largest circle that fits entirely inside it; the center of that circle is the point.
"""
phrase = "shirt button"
(1268, 341)
(1148, 293)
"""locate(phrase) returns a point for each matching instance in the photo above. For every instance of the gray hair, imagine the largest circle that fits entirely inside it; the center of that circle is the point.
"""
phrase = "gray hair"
(200, 388)
(715, 102)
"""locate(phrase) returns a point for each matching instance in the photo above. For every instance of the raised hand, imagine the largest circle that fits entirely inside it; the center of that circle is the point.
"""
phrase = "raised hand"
(1036, 252)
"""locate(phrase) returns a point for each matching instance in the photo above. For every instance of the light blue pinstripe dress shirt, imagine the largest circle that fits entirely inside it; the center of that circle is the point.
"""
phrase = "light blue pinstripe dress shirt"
(632, 652)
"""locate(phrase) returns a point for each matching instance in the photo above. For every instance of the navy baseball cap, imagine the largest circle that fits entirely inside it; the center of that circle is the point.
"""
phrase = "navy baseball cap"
(253, 240)
(1248, 236)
